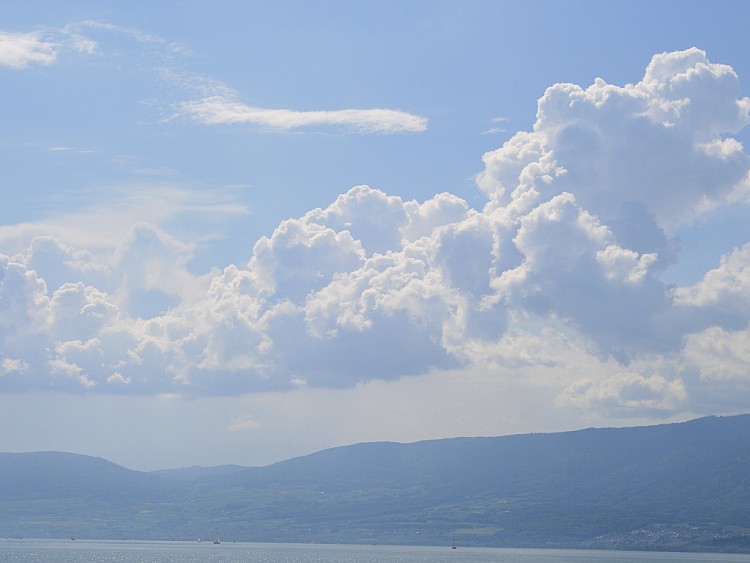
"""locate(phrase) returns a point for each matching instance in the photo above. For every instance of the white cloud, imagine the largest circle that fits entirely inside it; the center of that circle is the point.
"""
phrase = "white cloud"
(135, 34)
(23, 301)
(659, 144)
(58, 263)
(302, 256)
(423, 219)
(375, 219)
(723, 291)
(214, 103)
(80, 312)
(111, 214)
(12, 365)
(152, 274)
(623, 264)
(242, 423)
(718, 309)
(720, 355)
(45, 47)
(216, 110)
(19, 50)
(82, 44)
(555, 285)
(626, 394)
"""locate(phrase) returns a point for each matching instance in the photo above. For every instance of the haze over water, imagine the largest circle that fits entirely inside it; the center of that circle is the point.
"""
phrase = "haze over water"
(83, 551)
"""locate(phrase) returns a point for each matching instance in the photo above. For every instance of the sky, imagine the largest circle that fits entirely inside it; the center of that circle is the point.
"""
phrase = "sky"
(240, 232)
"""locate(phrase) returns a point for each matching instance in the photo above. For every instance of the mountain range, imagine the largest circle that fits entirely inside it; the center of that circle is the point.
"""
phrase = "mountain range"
(682, 486)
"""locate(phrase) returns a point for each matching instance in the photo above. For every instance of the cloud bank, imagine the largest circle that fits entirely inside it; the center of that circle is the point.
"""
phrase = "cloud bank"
(555, 283)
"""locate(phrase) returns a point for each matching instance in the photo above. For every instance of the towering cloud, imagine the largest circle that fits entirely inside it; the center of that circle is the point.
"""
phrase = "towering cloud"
(562, 267)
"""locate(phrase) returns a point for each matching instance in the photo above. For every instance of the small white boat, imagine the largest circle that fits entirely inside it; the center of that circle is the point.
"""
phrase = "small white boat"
(217, 541)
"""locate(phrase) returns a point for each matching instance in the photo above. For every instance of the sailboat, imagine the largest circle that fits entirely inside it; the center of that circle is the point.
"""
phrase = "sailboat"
(454, 540)
(217, 541)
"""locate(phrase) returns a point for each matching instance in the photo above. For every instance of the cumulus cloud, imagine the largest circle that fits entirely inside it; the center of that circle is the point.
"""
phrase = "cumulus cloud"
(58, 263)
(215, 110)
(719, 354)
(718, 348)
(556, 283)
(658, 150)
(151, 269)
(723, 295)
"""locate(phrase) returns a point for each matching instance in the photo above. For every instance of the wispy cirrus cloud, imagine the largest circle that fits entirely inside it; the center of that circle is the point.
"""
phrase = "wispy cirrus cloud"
(213, 102)
(217, 110)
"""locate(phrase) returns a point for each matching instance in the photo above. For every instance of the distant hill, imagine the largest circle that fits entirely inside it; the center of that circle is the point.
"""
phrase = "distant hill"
(197, 472)
(58, 475)
(677, 486)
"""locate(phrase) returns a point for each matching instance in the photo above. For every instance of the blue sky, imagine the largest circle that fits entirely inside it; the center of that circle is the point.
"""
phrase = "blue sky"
(241, 231)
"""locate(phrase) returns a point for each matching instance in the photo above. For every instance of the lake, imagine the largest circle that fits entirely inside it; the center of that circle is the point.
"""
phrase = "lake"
(66, 551)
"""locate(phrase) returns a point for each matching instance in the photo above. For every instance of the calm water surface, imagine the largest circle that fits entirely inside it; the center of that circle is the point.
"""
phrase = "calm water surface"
(66, 551)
